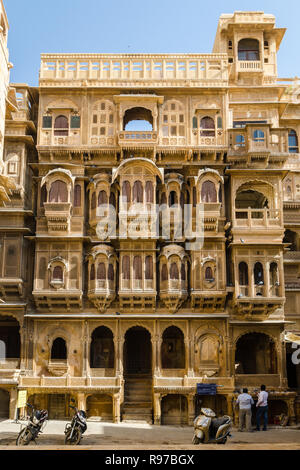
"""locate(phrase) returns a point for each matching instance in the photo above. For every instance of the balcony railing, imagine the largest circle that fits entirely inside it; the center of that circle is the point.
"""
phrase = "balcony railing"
(249, 66)
(48, 138)
(258, 218)
(110, 69)
(137, 137)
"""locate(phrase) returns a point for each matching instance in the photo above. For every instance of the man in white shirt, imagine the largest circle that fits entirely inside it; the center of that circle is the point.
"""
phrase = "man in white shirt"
(262, 408)
(245, 401)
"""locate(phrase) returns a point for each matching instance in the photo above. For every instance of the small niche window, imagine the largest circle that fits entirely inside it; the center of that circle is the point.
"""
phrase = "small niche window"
(240, 140)
(47, 122)
(61, 126)
(230, 45)
(258, 135)
(173, 120)
(207, 126)
(59, 349)
(75, 122)
(57, 274)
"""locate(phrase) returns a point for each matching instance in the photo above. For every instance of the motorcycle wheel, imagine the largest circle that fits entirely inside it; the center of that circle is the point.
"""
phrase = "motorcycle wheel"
(223, 441)
(76, 438)
(195, 440)
(24, 437)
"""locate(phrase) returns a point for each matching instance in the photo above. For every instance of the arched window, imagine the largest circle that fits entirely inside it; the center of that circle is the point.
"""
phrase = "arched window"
(57, 273)
(174, 273)
(93, 201)
(58, 192)
(293, 141)
(148, 267)
(258, 274)
(102, 198)
(208, 192)
(243, 274)
(195, 122)
(126, 191)
(77, 195)
(149, 192)
(173, 199)
(182, 272)
(209, 274)
(59, 349)
(102, 354)
(126, 267)
(172, 349)
(92, 273)
(112, 199)
(137, 267)
(111, 274)
(164, 273)
(258, 135)
(137, 192)
(248, 49)
(61, 126)
(43, 195)
(101, 271)
(207, 126)
(274, 274)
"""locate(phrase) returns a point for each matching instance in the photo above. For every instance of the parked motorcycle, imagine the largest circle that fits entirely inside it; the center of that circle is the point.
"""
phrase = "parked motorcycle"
(75, 429)
(209, 429)
(36, 423)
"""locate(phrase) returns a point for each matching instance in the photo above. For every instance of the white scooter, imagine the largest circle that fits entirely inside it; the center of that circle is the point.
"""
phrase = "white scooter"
(211, 430)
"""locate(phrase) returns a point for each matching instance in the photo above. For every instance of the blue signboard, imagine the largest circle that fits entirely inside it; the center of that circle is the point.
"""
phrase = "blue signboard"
(206, 389)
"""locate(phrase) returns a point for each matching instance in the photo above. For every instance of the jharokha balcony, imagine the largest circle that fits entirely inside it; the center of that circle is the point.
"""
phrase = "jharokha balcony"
(257, 218)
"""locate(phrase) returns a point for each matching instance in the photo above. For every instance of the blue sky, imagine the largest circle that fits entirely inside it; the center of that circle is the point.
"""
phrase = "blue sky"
(116, 26)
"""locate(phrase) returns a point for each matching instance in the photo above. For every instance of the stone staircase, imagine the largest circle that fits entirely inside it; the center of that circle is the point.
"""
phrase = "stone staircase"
(137, 399)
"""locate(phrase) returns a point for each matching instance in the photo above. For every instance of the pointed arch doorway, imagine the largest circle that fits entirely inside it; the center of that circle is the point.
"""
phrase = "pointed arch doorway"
(138, 375)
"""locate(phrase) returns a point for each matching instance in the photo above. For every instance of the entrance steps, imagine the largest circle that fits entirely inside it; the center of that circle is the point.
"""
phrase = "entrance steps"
(137, 399)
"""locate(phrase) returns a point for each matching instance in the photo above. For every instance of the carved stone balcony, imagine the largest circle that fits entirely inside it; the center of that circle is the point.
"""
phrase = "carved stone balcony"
(101, 293)
(255, 380)
(137, 139)
(249, 66)
(173, 293)
(256, 219)
(137, 294)
(61, 299)
(258, 305)
(47, 138)
(58, 215)
(212, 301)
(269, 151)
(11, 287)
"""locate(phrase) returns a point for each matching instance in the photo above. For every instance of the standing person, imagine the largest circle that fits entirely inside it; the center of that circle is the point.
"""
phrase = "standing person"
(262, 408)
(245, 401)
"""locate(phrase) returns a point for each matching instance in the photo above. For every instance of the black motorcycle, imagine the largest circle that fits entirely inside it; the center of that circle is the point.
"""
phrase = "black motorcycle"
(75, 429)
(36, 423)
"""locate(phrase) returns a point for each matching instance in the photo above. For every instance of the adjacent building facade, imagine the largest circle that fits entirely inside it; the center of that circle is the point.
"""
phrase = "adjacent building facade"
(137, 264)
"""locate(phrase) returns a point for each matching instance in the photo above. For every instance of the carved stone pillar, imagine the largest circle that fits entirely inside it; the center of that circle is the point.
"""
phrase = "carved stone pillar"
(154, 340)
(191, 409)
(187, 354)
(116, 408)
(230, 405)
(85, 350)
(81, 401)
(23, 340)
(13, 401)
(267, 279)
(157, 408)
(291, 411)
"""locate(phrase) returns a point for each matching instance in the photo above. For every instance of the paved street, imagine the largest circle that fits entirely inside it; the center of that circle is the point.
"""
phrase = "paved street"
(142, 436)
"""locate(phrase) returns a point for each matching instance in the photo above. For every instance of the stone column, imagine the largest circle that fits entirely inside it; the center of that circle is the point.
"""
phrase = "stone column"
(154, 340)
(157, 408)
(23, 339)
(267, 280)
(191, 409)
(81, 401)
(291, 411)
(116, 408)
(13, 401)
(85, 350)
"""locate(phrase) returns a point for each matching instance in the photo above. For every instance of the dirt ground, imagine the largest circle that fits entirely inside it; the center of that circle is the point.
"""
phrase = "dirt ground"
(124, 436)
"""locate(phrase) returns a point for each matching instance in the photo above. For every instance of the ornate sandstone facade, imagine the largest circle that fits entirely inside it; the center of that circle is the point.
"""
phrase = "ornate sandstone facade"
(127, 309)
